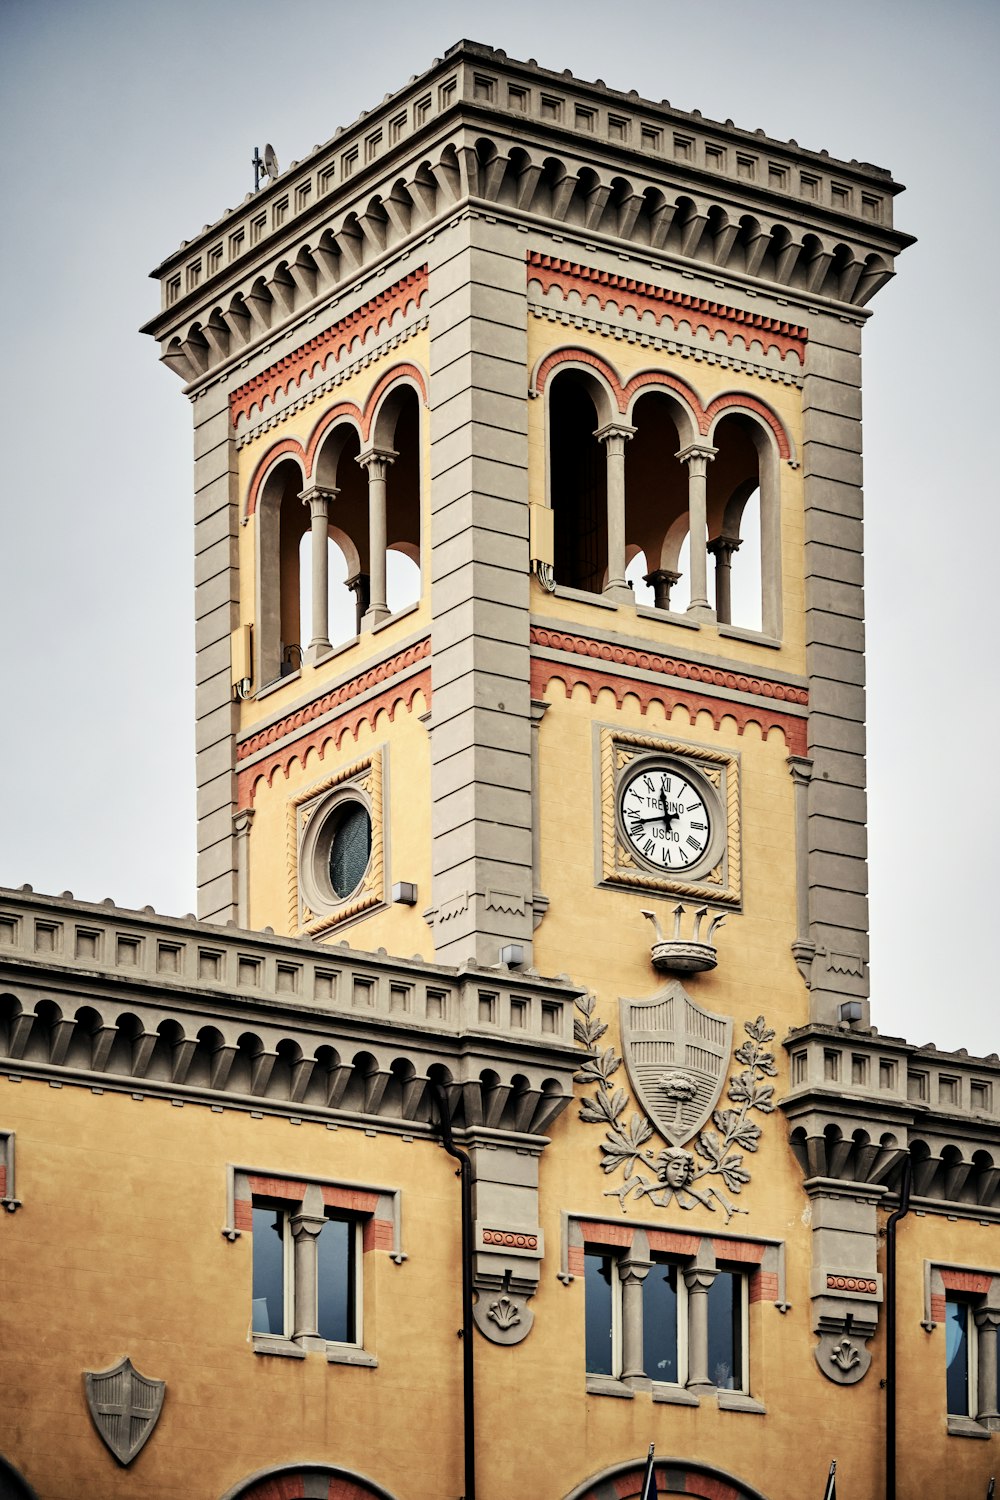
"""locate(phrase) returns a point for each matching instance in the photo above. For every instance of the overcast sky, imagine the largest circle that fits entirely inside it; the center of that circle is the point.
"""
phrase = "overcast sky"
(127, 125)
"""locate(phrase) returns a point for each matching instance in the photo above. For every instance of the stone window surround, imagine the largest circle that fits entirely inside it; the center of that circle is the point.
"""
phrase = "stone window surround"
(8, 1200)
(375, 1210)
(980, 1290)
(701, 1257)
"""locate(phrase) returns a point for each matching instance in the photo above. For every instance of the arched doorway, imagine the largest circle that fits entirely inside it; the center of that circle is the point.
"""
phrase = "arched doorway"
(675, 1477)
(307, 1482)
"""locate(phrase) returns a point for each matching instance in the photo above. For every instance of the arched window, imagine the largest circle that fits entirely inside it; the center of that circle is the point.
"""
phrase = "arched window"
(578, 477)
(656, 499)
(744, 524)
(281, 521)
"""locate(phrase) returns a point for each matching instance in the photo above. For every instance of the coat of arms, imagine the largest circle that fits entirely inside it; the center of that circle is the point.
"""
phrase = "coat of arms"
(125, 1407)
(676, 1056)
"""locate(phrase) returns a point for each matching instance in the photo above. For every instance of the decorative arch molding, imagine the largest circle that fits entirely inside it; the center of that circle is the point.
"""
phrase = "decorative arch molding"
(287, 448)
(625, 393)
(314, 355)
(307, 1482)
(737, 401)
(676, 1476)
(361, 418)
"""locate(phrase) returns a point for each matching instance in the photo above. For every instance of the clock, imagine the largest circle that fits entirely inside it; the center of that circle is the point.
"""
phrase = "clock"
(665, 816)
(669, 817)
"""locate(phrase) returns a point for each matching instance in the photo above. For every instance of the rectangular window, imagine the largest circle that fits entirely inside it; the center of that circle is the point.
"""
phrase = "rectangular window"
(336, 1282)
(661, 1323)
(600, 1284)
(959, 1357)
(270, 1284)
(726, 1337)
(651, 1341)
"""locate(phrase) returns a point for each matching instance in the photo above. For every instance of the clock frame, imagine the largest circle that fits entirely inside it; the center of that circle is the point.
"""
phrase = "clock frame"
(716, 874)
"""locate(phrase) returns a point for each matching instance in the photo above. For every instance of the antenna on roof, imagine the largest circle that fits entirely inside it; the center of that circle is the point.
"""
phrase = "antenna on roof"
(264, 166)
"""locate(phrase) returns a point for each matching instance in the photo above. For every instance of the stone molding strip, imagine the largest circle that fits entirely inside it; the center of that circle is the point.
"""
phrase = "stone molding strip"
(401, 692)
(767, 1257)
(379, 1206)
(316, 353)
(289, 725)
(617, 673)
(641, 297)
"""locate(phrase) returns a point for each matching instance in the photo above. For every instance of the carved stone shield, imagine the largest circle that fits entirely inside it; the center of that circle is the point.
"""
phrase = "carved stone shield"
(677, 1055)
(125, 1407)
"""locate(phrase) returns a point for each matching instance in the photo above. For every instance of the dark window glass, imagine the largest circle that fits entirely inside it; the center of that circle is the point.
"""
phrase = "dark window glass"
(597, 1285)
(351, 849)
(268, 1271)
(956, 1327)
(725, 1331)
(335, 1282)
(659, 1322)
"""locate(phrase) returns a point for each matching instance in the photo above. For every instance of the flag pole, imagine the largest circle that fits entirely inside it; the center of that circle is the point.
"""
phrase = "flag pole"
(830, 1493)
(648, 1491)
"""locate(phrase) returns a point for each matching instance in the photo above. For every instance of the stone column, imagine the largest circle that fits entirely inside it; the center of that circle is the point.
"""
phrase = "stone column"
(987, 1321)
(540, 902)
(377, 462)
(632, 1272)
(661, 581)
(319, 501)
(698, 1278)
(360, 587)
(698, 456)
(614, 436)
(306, 1230)
(722, 549)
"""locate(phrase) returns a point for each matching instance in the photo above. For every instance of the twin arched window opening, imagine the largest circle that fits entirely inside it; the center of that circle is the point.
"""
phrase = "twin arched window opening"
(340, 554)
(631, 497)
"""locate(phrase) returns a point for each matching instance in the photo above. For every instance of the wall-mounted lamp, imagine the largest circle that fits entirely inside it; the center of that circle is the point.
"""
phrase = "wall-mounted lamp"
(512, 955)
(850, 1010)
(404, 893)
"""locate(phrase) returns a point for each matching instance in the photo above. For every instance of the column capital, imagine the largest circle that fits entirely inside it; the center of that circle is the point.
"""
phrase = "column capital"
(310, 1225)
(723, 546)
(376, 460)
(318, 497)
(697, 456)
(615, 435)
(800, 769)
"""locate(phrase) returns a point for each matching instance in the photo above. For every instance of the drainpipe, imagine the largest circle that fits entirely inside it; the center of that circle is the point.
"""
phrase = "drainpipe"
(468, 1389)
(890, 1327)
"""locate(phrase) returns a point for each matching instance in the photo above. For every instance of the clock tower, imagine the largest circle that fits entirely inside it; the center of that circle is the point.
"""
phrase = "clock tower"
(531, 829)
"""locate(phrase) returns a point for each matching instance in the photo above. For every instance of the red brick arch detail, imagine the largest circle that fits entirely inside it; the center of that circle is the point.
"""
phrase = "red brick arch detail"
(320, 739)
(344, 411)
(291, 1485)
(571, 676)
(673, 1476)
(288, 447)
(279, 378)
(749, 403)
(579, 357)
(398, 375)
(661, 380)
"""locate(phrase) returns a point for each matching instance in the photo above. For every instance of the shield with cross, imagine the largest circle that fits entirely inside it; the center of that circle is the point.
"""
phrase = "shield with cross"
(676, 1054)
(125, 1407)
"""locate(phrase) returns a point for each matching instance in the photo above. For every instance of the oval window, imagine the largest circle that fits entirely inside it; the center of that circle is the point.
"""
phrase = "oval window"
(350, 849)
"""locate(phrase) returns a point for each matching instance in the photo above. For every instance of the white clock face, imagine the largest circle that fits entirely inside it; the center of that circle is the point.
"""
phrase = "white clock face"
(665, 818)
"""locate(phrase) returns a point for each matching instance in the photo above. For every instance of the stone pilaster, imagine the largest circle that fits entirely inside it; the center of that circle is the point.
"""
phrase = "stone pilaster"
(481, 717)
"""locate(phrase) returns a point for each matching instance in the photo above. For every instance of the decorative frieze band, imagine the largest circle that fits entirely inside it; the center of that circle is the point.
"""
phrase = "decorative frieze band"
(334, 342)
(643, 297)
(614, 668)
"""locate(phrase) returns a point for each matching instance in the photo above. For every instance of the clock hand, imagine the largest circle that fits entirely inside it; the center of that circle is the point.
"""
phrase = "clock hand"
(668, 817)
